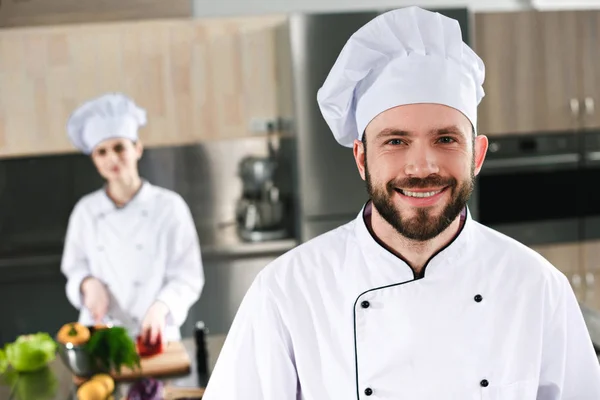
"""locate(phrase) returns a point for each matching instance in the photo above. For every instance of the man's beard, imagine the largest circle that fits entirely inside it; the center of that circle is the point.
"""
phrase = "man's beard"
(423, 226)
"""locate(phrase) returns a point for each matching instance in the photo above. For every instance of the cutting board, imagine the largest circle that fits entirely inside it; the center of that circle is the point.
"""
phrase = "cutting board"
(173, 361)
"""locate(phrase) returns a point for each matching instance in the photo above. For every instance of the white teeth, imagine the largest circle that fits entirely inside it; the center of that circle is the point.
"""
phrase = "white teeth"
(420, 194)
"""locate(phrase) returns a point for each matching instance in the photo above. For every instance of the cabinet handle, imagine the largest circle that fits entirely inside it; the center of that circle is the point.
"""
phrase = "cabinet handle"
(589, 105)
(576, 280)
(589, 280)
(574, 107)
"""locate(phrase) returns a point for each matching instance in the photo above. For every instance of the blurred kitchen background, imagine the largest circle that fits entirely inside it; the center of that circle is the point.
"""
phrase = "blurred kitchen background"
(230, 89)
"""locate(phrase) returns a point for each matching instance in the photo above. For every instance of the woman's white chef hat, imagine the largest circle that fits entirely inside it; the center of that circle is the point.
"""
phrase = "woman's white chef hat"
(405, 56)
(112, 115)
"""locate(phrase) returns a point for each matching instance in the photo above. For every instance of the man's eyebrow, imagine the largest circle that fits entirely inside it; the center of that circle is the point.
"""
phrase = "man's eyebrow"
(391, 132)
(447, 130)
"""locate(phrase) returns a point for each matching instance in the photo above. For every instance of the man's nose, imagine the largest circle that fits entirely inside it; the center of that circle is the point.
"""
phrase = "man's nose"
(420, 161)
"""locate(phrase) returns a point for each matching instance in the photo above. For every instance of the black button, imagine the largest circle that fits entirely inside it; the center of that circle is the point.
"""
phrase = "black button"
(484, 383)
(478, 298)
(368, 391)
(365, 304)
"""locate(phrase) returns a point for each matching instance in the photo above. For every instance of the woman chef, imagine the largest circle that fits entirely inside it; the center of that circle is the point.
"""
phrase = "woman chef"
(131, 255)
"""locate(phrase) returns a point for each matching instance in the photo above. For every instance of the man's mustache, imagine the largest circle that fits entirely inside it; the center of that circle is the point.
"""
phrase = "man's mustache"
(421, 183)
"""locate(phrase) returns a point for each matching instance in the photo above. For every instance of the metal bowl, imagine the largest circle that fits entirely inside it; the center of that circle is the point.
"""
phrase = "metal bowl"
(77, 359)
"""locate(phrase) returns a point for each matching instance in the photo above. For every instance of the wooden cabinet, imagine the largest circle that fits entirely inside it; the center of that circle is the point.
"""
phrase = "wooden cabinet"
(52, 12)
(591, 273)
(542, 71)
(198, 79)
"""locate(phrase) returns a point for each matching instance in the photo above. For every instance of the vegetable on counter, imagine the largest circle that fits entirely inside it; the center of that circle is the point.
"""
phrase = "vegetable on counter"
(146, 349)
(112, 348)
(146, 389)
(74, 333)
(99, 387)
(30, 352)
(3, 362)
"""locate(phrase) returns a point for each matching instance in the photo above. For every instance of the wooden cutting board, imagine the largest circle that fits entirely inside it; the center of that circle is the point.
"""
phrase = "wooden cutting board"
(173, 361)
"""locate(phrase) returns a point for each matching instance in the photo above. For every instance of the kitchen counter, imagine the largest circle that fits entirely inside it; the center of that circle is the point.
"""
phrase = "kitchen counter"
(225, 241)
(56, 381)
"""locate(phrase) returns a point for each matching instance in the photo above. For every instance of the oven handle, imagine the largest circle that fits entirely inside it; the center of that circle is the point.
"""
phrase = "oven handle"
(548, 160)
(592, 156)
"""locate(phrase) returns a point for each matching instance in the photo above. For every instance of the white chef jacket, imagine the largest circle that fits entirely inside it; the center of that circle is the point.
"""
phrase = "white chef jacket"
(143, 252)
(341, 317)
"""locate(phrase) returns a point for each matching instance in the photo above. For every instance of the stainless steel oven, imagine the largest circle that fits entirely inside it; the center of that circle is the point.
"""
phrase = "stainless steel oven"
(536, 188)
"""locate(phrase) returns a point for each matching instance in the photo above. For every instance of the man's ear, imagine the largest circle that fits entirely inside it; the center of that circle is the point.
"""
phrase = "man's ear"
(359, 151)
(480, 148)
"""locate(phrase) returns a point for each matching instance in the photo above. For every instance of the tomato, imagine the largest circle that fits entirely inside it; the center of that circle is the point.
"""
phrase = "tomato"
(146, 349)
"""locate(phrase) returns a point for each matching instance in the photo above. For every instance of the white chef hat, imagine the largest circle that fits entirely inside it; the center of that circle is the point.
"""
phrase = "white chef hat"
(112, 115)
(405, 56)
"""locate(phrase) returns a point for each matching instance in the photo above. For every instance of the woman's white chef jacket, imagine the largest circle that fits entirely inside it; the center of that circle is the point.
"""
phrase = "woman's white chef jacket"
(340, 317)
(146, 251)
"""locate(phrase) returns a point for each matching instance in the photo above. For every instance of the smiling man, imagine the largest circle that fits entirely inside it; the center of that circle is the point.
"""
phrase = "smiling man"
(413, 299)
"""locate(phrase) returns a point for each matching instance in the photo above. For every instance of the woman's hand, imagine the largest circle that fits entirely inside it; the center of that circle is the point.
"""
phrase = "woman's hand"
(95, 298)
(154, 322)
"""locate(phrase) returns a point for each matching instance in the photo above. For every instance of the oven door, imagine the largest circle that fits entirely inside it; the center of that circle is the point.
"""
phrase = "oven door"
(528, 188)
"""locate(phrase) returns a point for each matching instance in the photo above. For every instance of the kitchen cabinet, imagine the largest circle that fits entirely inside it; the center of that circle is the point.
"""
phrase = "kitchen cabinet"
(51, 12)
(591, 273)
(542, 71)
(198, 79)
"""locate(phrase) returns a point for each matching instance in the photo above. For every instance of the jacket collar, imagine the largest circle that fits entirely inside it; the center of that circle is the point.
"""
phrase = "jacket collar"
(106, 205)
(375, 251)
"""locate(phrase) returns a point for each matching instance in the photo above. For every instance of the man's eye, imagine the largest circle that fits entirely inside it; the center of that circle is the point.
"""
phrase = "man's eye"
(395, 142)
(102, 152)
(118, 148)
(446, 139)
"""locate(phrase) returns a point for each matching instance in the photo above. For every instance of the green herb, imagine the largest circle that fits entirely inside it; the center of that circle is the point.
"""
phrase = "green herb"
(112, 348)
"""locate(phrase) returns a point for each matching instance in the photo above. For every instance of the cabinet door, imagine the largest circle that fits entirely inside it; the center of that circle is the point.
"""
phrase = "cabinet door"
(567, 258)
(531, 71)
(198, 79)
(589, 70)
(591, 273)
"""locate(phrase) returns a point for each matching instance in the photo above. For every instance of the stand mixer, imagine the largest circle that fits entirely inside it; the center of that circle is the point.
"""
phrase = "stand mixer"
(259, 211)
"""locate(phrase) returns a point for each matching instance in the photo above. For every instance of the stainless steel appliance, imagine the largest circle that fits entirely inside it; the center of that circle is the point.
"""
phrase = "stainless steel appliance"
(541, 188)
(529, 188)
(260, 210)
(329, 190)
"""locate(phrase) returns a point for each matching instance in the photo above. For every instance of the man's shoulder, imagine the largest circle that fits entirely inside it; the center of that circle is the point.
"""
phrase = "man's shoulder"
(513, 255)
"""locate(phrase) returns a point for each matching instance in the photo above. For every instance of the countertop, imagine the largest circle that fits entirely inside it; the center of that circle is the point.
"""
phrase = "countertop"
(56, 381)
(225, 241)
